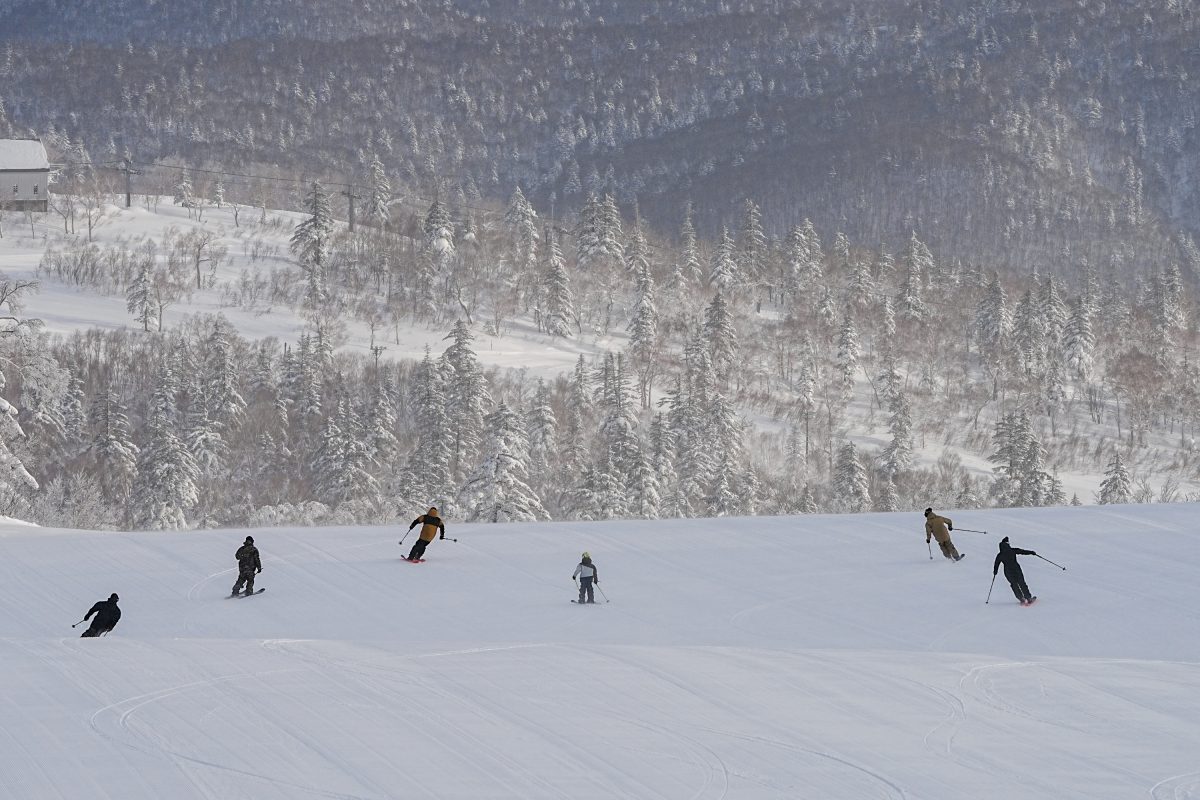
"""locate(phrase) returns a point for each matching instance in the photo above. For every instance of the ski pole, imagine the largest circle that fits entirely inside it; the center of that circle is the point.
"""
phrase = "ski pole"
(927, 544)
(1048, 561)
(602, 594)
(79, 623)
(968, 530)
(993, 586)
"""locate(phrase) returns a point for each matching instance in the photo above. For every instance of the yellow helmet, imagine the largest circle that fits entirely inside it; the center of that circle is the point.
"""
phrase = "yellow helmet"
(587, 554)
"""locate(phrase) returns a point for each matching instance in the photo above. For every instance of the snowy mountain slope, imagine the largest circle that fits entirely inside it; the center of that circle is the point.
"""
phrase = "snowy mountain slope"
(813, 657)
(251, 247)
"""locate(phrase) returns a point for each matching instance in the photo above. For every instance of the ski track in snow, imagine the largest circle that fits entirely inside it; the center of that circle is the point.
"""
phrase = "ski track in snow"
(738, 659)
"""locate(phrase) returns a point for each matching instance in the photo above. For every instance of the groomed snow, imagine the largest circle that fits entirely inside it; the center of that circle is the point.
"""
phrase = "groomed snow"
(815, 657)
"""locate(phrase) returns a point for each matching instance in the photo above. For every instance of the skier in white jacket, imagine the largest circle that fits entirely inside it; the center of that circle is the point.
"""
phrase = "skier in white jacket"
(587, 575)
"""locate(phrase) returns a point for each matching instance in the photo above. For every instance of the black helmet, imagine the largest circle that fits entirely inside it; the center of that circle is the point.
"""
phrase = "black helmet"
(112, 598)
(928, 511)
(249, 540)
(1004, 540)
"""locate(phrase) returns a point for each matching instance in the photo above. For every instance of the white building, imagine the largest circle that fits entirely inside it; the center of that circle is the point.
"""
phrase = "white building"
(24, 175)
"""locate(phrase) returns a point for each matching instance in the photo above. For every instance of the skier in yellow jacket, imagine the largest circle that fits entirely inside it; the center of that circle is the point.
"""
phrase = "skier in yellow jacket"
(939, 528)
(431, 525)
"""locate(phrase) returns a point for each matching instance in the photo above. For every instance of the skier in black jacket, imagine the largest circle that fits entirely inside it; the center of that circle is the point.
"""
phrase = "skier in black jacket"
(1012, 570)
(249, 565)
(107, 616)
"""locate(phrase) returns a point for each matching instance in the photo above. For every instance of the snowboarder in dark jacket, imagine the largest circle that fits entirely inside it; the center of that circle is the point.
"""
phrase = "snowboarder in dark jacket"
(1012, 570)
(587, 574)
(249, 565)
(431, 525)
(107, 616)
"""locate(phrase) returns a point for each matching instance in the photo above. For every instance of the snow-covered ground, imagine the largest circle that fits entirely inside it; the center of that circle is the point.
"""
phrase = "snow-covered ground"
(814, 657)
(249, 246)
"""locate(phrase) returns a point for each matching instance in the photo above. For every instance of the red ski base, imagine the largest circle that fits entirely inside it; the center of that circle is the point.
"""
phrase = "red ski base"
(417, 561)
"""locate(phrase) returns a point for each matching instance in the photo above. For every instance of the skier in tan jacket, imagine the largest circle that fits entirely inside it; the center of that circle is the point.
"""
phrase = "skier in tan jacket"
(939, 528)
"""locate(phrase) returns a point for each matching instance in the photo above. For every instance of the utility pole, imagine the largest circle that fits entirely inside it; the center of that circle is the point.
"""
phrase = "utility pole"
(129, 172)
(376, 350)
(349, 193)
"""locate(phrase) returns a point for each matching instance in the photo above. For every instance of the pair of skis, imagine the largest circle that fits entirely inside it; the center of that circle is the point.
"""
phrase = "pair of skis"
(243, 594)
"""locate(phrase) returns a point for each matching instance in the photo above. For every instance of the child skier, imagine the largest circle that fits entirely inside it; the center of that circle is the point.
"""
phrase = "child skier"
(107, 616)
(249, 565)
(431, 525)
(587, 574)
(939, 528)
(1012, 570)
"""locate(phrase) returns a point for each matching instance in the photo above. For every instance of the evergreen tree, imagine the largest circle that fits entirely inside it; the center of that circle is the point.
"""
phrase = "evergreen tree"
(312, 237)
(140, 297)
(521, 221)
(342, 464)
(689, 257)
(897, 456)
(379, 199)
(752, 243)
(1079, 341)
(725, 274)
(918, 262)
(165, 487)
(888, 500)
(848, 351)
(850, 481)
(380, 426)
(466, 396)
(573, 451)
(498, 489)
(112, 448)
(430, 462)
(560, 314)
(1117, 486)
(643, 332)
(541, 425)
(720, 336)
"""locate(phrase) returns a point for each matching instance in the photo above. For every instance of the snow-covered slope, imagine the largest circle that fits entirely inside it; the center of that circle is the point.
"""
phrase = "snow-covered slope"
(817, 657)
(252, 247)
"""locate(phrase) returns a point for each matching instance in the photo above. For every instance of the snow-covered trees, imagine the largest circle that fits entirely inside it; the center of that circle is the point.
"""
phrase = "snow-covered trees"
(466, 398)
(311, 239)
(165, 487)
(897, 456)
(559, 314)
(1021, 477)
(379, 199)
(917, 262)
(498, 489)
(721, 336)
(850, 486)
(429, 463)
(1117, 486)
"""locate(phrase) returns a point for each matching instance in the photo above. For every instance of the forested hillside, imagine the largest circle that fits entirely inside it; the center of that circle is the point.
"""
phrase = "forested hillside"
(1016, 135)
(820, 256)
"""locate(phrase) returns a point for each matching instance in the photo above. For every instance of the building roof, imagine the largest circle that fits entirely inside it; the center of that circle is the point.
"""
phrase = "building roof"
(23, 154)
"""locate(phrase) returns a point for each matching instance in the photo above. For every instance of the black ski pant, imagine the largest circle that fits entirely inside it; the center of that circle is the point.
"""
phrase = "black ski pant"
(245, 576)
(418, 550)
(585, 585)
(96, 629)
(1016, 579)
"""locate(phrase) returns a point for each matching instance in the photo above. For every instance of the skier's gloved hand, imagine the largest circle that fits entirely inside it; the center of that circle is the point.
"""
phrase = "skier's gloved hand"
(1033, 552)
(926, 540)
(951, 527)
(259, 571)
